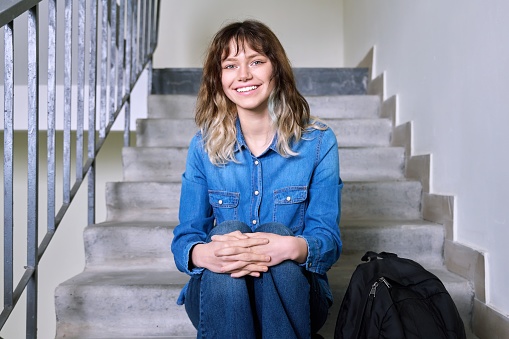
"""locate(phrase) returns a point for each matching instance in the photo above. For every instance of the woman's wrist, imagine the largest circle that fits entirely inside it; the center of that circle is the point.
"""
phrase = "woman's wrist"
(194, 257)
(300, 250)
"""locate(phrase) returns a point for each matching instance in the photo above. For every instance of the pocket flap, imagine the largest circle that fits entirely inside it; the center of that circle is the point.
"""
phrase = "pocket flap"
(290, 195)
(224, 199)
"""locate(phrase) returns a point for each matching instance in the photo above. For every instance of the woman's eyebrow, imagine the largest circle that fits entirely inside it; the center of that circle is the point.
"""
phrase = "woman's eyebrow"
(250, 56)
(230, 59)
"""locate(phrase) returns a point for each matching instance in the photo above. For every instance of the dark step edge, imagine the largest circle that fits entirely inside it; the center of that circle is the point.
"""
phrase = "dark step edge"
(310, 81)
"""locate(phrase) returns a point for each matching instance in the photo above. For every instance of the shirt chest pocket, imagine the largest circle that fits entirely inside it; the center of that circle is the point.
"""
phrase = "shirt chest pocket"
(225, 205)
(290, 206)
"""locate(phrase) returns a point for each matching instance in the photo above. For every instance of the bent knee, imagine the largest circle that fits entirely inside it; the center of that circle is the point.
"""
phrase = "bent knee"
(275, 228)
(230, 226)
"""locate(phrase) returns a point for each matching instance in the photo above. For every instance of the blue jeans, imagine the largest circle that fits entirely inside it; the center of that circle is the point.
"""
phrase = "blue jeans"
(285, 302)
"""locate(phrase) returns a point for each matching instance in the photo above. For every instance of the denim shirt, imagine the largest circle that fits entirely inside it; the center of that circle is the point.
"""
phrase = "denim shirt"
(303, 192)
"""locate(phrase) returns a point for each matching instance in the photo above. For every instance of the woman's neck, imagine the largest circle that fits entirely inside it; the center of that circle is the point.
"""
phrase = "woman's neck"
(258, 132)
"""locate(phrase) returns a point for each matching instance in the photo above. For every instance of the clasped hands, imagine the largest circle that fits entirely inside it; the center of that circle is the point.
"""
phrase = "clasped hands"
(240, 254)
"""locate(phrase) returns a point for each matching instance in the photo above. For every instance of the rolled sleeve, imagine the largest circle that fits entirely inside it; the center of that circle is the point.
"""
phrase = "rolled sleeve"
(195, 212)
(323, 212)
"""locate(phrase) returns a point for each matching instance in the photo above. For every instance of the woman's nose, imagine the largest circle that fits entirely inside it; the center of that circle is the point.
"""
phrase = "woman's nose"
(244, 74)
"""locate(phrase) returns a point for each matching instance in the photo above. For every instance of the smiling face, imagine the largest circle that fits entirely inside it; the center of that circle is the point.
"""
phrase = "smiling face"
(247, 79)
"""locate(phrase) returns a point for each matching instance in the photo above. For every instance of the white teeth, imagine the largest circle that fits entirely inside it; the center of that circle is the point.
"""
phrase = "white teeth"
(246, 89)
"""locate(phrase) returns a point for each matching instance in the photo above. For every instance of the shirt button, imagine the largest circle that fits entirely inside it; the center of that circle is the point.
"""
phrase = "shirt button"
(256, 162)
(220, 202)
(288, 198)
(254, 222)
(256, 192)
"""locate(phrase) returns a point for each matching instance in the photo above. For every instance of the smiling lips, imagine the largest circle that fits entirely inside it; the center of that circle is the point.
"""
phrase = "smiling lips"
(246, 89)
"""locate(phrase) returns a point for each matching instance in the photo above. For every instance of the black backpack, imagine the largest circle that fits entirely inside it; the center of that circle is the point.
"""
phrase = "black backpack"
(396, 298)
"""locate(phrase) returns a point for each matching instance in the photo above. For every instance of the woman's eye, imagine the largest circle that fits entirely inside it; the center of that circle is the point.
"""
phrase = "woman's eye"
(256, 62)
(228, 66)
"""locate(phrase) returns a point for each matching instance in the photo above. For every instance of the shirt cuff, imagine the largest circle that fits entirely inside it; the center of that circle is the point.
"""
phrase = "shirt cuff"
(311, 263)
(187, 260)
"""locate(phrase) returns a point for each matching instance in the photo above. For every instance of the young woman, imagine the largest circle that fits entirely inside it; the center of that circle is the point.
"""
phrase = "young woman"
(261, 195)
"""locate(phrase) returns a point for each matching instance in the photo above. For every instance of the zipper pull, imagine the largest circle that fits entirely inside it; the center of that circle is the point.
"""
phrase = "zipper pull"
(373, 289)
(372, 293)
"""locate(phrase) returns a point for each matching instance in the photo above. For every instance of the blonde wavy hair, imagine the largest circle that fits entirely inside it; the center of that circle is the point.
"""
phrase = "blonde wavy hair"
(216, 114)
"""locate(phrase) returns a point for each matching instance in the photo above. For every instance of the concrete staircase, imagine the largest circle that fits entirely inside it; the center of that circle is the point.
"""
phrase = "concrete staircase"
(130, 284)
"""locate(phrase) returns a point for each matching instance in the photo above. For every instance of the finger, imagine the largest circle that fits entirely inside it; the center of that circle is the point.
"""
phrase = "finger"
(257, 235)
(237, 246)
(248, 242)
(236, 235)
(245, 272)
(241, 253)
(242, 266)
(223, 238)
(246, 259)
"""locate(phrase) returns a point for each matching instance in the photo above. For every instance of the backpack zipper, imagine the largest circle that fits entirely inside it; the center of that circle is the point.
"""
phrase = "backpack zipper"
(375, 286)
(385, 282)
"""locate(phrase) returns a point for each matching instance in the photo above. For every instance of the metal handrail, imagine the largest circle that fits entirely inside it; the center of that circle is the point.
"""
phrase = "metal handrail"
(121, 42)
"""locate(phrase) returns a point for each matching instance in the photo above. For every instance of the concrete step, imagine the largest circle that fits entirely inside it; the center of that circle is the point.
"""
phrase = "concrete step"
(372, 163)
(356, 164)
(122, 303)
(156, 201)
(384, 200)
(178, 132)
(361, 132)
(154, 163)
(309, 80)
(345, 106)
(418, 240)
(138, 244)
(133, 245)
(164, 132)
(339, 277)
(141, 303)
(142, 201)
(332, 106)
(171, 106)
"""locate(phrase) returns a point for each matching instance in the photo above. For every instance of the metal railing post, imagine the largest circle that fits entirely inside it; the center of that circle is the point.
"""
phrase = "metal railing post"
(112, 25)
(104, 72)
(67, 100)
(33, 170)
(92, 108)
(80, 119)
(8, 163)
(52, 88)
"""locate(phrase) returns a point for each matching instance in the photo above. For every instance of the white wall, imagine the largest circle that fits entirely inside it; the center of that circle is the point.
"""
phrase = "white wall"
(311, 31)
(448, 62)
